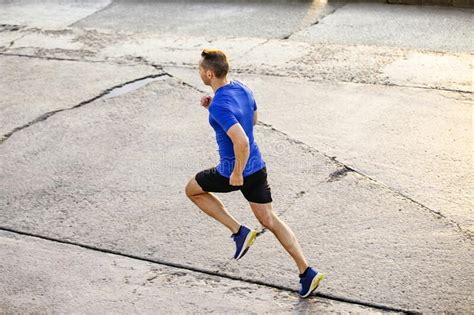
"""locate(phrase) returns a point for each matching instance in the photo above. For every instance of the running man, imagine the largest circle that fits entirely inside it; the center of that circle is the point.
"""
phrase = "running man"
(232, 115)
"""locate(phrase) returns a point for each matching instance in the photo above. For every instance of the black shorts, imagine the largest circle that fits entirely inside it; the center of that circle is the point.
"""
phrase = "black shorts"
(255, 188)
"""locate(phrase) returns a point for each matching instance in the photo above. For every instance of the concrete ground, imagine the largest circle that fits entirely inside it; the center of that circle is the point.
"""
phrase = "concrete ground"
(365, 123)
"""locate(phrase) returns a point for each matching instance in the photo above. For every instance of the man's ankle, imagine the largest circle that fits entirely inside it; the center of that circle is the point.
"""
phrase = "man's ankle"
(305, 272)
(239, 231)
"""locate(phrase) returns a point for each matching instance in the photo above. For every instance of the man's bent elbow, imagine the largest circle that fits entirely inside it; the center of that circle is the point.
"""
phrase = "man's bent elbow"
(242, 149)
(243, 145)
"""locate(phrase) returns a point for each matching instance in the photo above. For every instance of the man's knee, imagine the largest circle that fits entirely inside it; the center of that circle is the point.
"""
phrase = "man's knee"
(267, 219)
(192, 188)
(188, 190)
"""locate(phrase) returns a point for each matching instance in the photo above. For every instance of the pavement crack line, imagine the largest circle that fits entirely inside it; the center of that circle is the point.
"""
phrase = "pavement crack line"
(45, 116)
(313, 7)
(329, 13)
(309, 79)
(208, 272)
(182, 82)
(11, 27)
(422, 87)
(338, 174)
(14, 40)
(248, 51)
(140, 60)
(95, 12)
(62, 59)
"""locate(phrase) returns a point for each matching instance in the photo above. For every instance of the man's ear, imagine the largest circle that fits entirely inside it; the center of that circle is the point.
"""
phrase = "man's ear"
(209, 74)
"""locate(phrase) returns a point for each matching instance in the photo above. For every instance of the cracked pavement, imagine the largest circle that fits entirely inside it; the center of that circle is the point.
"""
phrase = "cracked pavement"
(366, 131)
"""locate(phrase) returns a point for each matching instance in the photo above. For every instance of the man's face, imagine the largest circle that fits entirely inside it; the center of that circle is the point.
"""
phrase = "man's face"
(205, 74)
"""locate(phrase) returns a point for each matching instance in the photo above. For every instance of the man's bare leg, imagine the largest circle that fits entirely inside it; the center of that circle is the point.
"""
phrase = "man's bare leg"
(266, 216)
(211, 205)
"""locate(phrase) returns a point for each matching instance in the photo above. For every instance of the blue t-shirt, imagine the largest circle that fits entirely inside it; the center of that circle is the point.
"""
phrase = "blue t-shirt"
(234, 103)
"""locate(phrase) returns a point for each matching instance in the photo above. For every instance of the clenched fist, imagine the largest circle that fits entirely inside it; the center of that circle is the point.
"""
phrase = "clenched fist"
(236, 179)
(206, 101)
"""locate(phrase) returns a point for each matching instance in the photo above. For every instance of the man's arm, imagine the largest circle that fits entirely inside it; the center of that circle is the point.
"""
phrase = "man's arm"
(255, 117)
(241, 152)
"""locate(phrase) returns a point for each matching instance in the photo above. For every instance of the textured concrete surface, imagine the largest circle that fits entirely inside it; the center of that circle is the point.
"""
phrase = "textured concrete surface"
(448, 72)
(71, 182)
(367, 140)
(403, 26)
(52, 13)
(68, 84)
(122, 285)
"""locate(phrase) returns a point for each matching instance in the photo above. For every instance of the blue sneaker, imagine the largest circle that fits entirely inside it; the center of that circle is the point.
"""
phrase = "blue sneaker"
(310, 281)
(243, 241)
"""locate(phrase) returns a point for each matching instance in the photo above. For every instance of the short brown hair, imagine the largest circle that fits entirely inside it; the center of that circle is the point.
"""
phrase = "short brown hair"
(215, 60)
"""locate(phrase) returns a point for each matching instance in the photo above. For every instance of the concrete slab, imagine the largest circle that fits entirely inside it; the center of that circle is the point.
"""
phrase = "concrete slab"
(32, 87)
(262, 19)
(115, 179)
(48, 13)
(419, 27)
(382, 131)
(39, 276)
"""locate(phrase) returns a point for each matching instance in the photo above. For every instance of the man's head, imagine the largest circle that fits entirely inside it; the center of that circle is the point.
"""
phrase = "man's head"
(213, 65)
